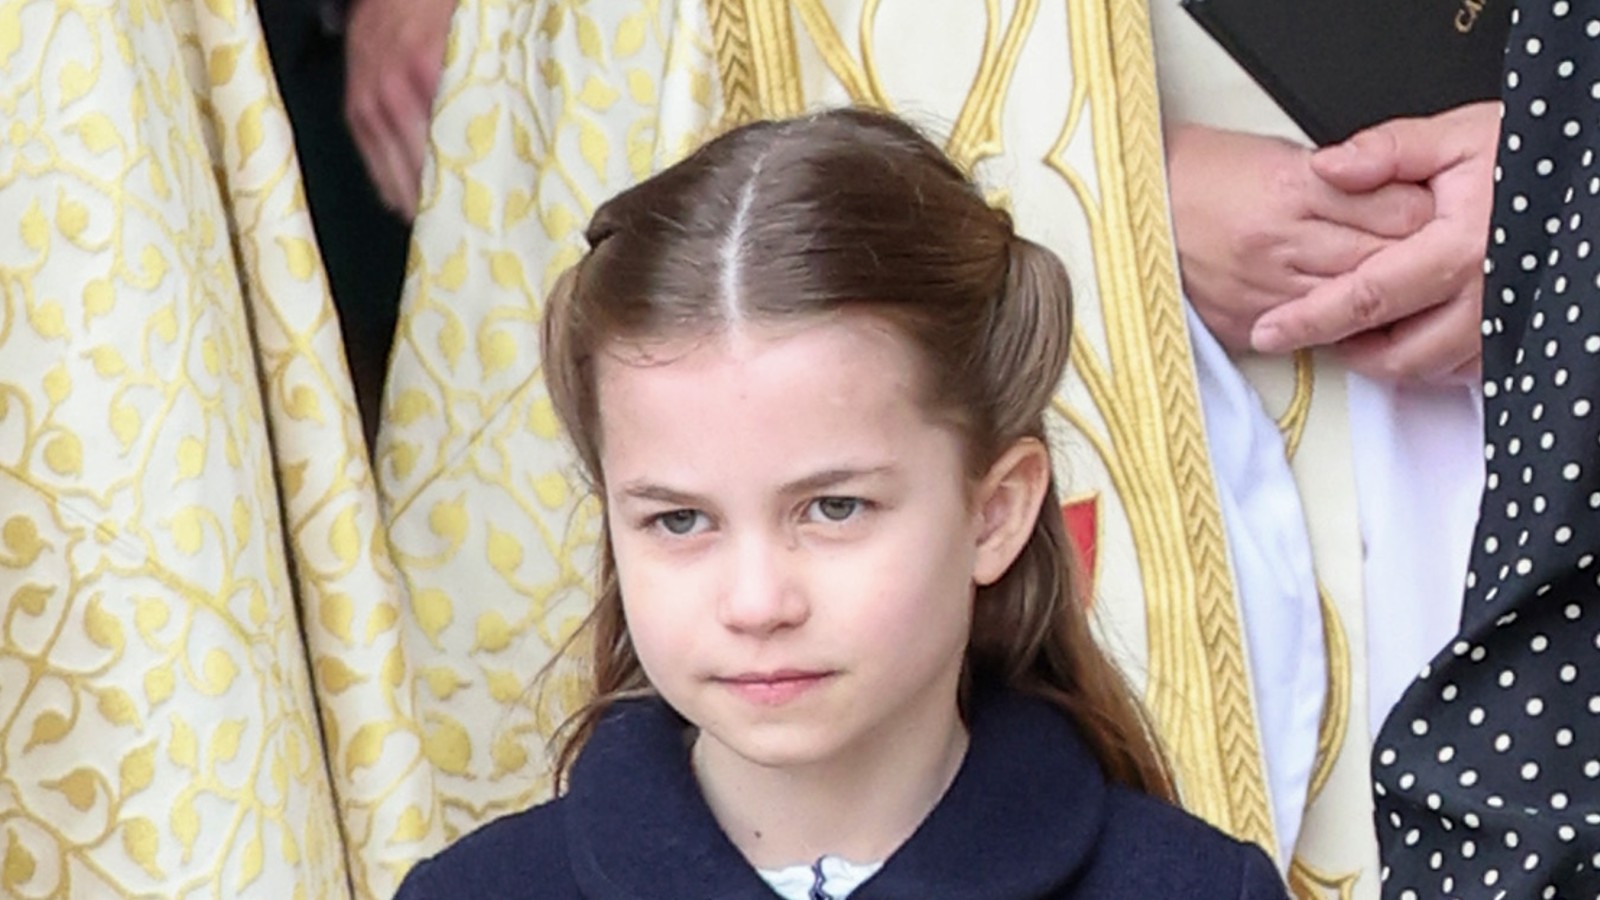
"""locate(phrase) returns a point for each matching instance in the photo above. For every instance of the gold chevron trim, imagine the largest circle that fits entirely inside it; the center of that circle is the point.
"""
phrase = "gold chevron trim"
(756, 58)
(736, 67)
(1138, 156)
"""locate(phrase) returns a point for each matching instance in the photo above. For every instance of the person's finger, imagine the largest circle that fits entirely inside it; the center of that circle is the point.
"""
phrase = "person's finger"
(367, 133)
(1440, 345)
(386, 163)
(1324, 250)
(400, 180)
(1413, 149)
(1396, 282)
(405, 124)
(1393, 210)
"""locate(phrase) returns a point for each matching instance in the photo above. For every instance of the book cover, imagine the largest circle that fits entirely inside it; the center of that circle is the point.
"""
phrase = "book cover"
(1337, 68)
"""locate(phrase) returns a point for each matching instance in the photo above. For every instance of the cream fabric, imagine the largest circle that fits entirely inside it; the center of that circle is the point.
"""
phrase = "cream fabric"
(189, 529)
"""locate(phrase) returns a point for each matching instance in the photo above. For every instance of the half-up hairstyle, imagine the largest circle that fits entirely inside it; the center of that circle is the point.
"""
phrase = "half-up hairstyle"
(854, 210)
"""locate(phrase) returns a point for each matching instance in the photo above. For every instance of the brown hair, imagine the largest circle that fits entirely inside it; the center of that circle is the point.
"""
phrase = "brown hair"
(853, 210)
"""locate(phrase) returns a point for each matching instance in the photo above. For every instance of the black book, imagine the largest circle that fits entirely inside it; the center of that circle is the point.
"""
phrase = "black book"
(1339, 67)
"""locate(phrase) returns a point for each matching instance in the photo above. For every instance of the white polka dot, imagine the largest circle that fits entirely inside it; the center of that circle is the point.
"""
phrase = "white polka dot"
(1530, 771)
(1502, 743)
(1534, 707)
(1468, 778)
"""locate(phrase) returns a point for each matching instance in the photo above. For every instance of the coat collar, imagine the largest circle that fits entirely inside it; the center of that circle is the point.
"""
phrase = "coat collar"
(1021, 818)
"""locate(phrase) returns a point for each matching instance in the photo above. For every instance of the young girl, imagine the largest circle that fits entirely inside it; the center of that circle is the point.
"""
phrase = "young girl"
(838, 644)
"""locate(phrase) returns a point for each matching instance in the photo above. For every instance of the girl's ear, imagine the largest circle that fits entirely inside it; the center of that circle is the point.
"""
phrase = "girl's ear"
(1007, 502)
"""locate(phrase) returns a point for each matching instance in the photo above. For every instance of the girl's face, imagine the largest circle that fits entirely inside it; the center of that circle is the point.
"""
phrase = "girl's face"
(796, 541)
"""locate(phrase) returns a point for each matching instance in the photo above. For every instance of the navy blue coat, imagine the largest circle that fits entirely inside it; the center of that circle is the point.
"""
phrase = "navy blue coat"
(1029, 817)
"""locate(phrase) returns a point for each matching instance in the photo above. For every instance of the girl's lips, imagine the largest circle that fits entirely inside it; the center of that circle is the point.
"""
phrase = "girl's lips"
(774, 688)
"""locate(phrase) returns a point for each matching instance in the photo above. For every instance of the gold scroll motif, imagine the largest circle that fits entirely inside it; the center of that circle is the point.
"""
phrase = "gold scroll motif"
(1306, 881)
(1292, 424)
(1154, 445)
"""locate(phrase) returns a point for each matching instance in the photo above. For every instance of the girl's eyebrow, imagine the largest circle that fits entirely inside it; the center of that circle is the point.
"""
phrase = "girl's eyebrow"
(828, 478)
(643, 490)
(820, 481)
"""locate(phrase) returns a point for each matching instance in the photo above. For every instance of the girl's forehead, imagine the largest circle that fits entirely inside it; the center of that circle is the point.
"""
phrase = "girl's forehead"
(844, 337)
(832, 384)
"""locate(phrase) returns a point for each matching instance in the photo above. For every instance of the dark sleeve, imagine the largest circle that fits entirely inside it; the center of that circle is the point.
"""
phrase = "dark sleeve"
(1259, 879)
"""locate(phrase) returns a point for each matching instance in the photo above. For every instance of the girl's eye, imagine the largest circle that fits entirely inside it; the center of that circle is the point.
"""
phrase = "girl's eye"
(835, 509)
(679, 522)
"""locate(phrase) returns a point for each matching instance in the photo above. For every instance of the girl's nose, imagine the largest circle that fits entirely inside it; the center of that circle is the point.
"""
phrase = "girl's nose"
(761, 594)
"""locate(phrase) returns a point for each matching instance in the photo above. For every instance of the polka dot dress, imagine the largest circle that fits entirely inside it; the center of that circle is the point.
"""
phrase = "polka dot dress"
(1487, 774)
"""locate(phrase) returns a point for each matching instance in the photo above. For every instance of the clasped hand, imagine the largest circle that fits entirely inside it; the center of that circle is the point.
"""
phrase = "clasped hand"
(1374, 246)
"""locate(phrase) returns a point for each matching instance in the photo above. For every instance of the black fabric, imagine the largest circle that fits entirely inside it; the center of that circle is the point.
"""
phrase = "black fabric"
(363, 245)
(1029, 815)
(1487, 773)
